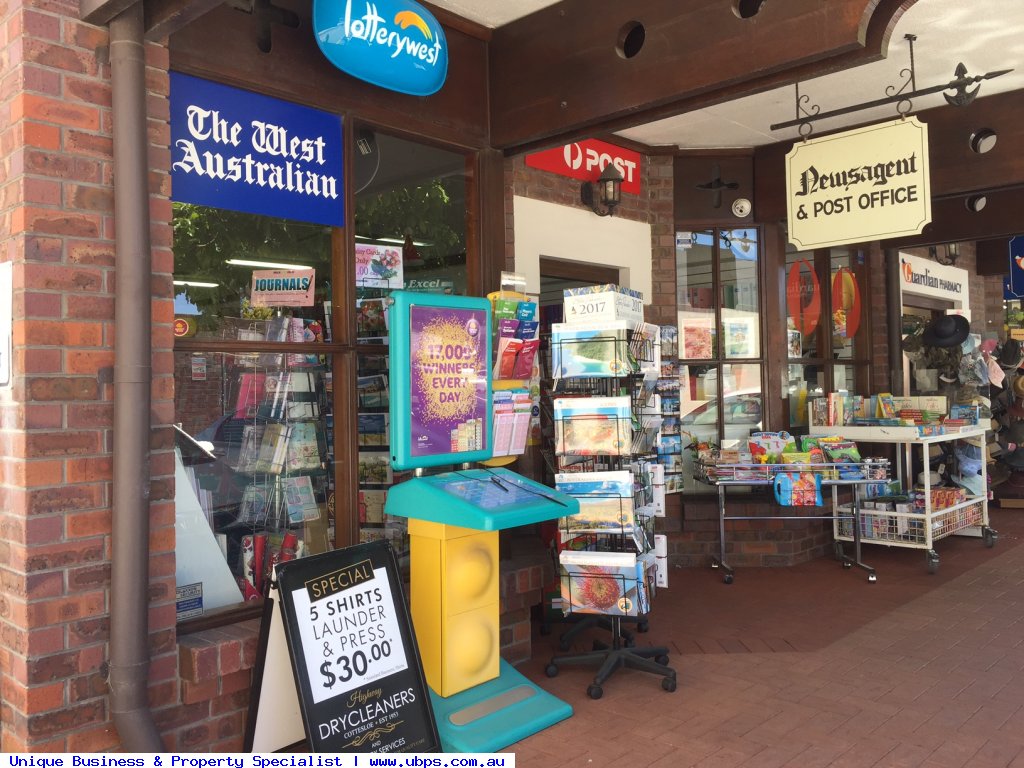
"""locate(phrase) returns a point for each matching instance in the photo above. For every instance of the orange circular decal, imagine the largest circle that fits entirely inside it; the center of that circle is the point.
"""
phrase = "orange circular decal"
(845, 303)
(181, 327)
(803, 297)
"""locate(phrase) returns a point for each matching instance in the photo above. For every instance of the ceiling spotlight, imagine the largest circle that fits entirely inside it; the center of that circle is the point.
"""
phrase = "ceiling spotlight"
(975, 203)
(983, 141)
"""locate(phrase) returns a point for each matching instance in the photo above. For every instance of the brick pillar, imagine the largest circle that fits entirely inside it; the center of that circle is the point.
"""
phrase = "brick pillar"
(56, 204)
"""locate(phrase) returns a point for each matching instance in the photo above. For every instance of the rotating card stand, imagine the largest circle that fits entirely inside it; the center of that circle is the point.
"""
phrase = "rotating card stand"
(724, 475)
(609, 586)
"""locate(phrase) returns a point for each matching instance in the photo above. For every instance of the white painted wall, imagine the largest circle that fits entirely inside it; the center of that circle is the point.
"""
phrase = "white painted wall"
(575, 234)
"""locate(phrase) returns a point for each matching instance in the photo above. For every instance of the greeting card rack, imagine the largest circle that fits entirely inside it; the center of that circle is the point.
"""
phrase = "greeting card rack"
(833, 475)
(607, 561)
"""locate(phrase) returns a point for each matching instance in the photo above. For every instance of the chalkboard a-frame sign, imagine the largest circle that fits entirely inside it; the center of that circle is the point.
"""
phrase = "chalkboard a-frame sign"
(353, 650)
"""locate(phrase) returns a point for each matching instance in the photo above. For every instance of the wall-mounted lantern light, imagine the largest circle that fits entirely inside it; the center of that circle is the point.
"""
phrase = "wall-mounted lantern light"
(609, 191)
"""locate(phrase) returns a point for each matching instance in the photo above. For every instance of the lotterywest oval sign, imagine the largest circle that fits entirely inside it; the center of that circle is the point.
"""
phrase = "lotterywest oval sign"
(395, 44)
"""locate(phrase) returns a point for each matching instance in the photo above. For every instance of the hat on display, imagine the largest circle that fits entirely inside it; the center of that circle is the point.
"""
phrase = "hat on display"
(988, 346)
(997, 474)
(1014, 460)
(1014, 433)
(1010, 355)
(946, 331)
(1018, 386)
(996, 375)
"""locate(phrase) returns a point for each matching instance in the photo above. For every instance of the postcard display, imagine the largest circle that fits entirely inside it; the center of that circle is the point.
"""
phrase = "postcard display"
(379, 271)
(440, 364)
(605, 367)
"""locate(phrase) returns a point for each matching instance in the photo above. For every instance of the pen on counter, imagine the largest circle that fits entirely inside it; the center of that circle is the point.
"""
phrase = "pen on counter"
(498, 483)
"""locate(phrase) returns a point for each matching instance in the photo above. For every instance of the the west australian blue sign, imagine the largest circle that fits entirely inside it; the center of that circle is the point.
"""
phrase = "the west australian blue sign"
(396, 44)
(246, 152)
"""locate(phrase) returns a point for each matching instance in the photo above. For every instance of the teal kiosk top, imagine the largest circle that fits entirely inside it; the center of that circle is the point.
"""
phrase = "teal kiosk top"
(440, 369)
(484, 499)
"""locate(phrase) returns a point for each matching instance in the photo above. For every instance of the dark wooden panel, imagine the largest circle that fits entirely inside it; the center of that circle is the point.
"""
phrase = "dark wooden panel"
(165, 17)
(100, 12)
(770, 182)
(695, 206)
(296, 70)
(491, 201)
(556, 74)
(993, 256)
(954, 167)
(952, 222)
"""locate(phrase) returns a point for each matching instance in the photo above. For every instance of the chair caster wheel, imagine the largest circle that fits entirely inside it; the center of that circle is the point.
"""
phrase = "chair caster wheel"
(668, 683)
(551, 670)
(727, 578)
(662, 659)
(595, 691)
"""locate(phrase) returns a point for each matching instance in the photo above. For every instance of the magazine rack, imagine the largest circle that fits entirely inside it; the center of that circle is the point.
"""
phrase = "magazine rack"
(833, 475)
(609, 581)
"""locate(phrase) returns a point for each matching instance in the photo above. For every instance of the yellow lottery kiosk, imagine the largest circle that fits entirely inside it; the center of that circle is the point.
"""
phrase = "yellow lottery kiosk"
(440, 359)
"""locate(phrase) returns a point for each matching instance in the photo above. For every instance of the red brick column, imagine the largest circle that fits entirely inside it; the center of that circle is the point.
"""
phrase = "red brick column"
(56, 205)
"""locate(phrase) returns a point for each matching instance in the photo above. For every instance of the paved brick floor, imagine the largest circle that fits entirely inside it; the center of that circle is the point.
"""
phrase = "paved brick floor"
(813, 666)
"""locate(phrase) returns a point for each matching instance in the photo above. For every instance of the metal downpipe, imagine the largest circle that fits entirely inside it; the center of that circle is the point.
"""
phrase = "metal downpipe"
(129, 588)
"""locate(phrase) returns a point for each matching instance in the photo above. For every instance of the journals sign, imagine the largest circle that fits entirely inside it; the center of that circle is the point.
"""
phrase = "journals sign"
(246, 152)
(870, 183)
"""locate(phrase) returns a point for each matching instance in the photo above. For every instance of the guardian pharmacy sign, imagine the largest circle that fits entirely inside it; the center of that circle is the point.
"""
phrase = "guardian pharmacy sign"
(870, 183)
(395, 44)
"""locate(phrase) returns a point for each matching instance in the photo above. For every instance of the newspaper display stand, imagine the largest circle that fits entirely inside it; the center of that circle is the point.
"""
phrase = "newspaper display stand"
(722, 476)
(917, 528)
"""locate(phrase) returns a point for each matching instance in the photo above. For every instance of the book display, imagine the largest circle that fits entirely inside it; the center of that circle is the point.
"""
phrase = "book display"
(607, 421)
(277, 439)
(373, 461)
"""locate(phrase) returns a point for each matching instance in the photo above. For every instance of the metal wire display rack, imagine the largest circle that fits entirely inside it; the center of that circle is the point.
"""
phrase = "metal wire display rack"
(834, 475)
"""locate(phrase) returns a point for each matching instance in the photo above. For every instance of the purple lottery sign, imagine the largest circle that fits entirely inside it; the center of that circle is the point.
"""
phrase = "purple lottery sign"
(448, 380)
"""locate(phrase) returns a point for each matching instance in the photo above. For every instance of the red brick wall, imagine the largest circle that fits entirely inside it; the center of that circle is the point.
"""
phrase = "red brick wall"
(56, 206)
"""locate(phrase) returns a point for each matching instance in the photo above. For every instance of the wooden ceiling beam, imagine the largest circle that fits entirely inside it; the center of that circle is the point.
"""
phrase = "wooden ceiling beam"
(164, 17)
(556, 75)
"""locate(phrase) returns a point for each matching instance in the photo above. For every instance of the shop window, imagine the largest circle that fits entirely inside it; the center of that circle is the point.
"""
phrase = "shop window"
(254, 462)
(257, 479)
(719, 342)
(825, 322)
(410, 233)
(254, 458)
(218, 252)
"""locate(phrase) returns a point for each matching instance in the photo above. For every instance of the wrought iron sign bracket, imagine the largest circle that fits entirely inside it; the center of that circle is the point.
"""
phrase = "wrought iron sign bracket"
(962, 95)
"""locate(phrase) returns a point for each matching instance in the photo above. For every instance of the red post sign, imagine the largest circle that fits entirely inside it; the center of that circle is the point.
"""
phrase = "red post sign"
(584, 160)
